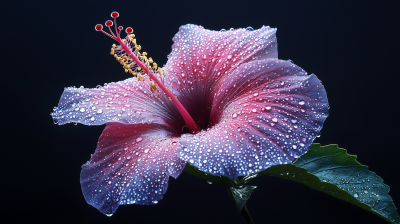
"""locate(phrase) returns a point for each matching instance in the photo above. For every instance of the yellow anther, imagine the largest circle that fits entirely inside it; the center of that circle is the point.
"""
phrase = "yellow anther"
(144, 53)
(153, 87)
(139, 69)
(132, 35)
(114, 46)
(158, 95)
(139, 47)
(138, 76)
(112, 52)
(125, 58)
(169, 98)
(126, 70)
(130, 71)
(115, 56)
(122, 62)
(134, 41)
(123, 40)
(151, 60)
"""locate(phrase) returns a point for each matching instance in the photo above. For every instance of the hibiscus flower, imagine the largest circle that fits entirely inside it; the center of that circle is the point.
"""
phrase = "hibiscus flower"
(223, 103)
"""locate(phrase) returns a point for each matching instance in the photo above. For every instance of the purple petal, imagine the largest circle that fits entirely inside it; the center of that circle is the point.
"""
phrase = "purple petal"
(200, 58)
(131, 165)
(127, 102)
(267, 112)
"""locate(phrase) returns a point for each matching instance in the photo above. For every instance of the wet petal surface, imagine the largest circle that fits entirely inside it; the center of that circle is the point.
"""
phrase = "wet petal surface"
(131, 165)
(127, 102)
(267, 112)
(200, 58)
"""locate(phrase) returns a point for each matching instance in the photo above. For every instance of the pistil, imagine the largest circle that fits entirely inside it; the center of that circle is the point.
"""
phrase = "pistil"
(193, 127)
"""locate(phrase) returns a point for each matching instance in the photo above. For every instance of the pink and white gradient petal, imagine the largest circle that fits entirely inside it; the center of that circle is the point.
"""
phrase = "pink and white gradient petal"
(128, 102)
(200, 58)
(266, 113)
(131, 165)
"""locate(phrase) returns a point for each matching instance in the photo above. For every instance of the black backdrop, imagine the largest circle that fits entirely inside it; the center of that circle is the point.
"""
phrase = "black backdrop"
(352, 46)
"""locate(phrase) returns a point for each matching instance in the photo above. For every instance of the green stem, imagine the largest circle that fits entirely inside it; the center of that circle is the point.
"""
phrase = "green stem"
(244, 212)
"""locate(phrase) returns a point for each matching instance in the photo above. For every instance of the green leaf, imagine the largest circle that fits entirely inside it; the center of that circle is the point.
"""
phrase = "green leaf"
(220, 180)
(331, 170)
(241, 195)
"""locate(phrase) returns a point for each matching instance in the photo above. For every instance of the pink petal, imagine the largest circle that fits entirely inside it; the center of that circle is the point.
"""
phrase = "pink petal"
(127, 102)
(267, 112)
(131, 165)
(200, 58)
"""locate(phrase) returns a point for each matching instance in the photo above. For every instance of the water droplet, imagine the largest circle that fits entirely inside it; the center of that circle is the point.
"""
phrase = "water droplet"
(155, 202)
(294, 146)
(138, 139)
(109, 215)
(99, 111)
(294, 121)
(275, 119)
(356, 195)
(249, 28)
(255, 94)
(183, 75)
(234, 115)
(204, 161)
(302, 102)
(93, 118)
(229, 57)
(82, 110)
(254, 110)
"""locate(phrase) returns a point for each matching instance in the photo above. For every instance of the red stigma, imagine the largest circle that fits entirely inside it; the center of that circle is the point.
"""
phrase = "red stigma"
(120, 27)
(109, 23)
(114, 14)
(98, 27)
(129, 30)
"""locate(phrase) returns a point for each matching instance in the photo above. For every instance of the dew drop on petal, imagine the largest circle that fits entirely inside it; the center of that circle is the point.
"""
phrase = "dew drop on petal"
(82, 110)
(302, 102)
(234, 115)
(92, 119)
(275, 119)
(268, 107)
(138, 139)
(229, 57)
(99, 111)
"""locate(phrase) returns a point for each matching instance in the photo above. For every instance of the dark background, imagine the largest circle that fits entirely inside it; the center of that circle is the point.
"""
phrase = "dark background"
(352, 46)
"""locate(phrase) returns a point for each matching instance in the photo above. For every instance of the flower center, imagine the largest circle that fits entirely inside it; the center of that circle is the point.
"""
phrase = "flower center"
(139, 65)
